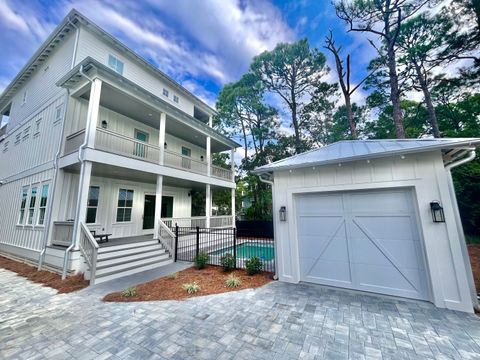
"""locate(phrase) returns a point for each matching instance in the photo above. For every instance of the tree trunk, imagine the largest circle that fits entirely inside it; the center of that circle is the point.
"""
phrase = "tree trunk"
(428, 101)
(298, 144)
(351, 122)
(395, 94)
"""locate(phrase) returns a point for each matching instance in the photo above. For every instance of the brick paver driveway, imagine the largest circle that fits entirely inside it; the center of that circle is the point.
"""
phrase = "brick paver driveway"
(278, 321)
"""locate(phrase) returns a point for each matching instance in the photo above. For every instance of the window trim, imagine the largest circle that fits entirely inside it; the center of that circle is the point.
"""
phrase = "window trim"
(93, 207)
(176, 99)
(165, 93)
(127, 189)
(40, 207)
(25, 96)
(58, 114)
(189, 151)
(35, 205)
(23, 206)
(115, 65)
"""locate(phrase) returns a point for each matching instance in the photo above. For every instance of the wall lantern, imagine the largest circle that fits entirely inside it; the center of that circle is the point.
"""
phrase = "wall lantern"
(437, 212)
(283, 213)
(104, 124)
(165, 145)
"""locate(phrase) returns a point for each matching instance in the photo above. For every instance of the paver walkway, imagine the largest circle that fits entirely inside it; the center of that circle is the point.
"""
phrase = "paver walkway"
(277, 321)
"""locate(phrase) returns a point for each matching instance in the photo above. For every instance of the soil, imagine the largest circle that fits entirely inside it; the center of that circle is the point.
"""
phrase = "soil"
(211, 280)
(474, 252)
(46, 278)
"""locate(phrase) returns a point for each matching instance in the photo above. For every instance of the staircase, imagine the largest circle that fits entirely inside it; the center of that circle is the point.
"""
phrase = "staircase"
(116, 261)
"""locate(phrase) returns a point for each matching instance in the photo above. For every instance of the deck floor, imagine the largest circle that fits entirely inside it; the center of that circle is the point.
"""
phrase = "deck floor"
(126, 240)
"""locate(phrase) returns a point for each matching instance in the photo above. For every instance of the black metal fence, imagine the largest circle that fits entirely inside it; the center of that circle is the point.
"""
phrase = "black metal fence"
(190, 241)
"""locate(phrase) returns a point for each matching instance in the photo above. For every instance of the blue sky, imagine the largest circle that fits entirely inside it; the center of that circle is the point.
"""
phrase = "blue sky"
(201, 44)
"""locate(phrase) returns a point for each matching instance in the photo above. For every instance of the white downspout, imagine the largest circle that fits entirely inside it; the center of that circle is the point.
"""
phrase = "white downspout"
(46, 233)
(463, 244)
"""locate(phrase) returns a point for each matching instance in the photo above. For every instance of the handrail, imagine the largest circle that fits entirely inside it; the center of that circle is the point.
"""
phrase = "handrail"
(221, 173)
(113, 133)
(89, 248)
(179, 161)
(166, 237)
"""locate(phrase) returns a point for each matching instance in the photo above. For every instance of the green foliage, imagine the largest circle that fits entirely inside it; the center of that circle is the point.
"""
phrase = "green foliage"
(253, 265)
(191, 288)
(129, 292)
(173, 276)
(228, 262)
(233, 281)
(201, 260)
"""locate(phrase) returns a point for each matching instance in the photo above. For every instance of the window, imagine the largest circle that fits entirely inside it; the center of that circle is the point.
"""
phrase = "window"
(42, 208)
(24, 98)
(26, 133)
(17, 138)
(165, 92)
(115, 64)
(186, 151)
(125, 204)
(37, 127)
(21, 218)
(175, 98)
(31, 207)
(92, 204)
(5, 146)
(58, 113)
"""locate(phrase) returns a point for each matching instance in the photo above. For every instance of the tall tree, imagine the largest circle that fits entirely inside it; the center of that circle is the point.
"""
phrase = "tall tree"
(382, 18)
(343, 73)
(293, 72)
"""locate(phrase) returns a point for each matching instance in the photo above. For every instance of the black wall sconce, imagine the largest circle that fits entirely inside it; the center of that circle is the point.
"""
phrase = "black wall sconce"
(104, 124)
(438, 215)
(201, 158)
(283, 213)
(165, 145)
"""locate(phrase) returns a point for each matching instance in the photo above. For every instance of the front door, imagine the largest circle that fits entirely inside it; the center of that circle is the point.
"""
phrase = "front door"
(167, 207)
(140, 149)
(149, 212)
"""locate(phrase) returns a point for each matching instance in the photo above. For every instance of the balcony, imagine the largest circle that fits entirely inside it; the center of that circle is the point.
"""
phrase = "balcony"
(119, 144)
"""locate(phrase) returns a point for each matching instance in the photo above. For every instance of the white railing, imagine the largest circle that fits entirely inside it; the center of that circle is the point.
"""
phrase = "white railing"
(193, 221)
(119, 144)
(184, 162)
(221, 221)
(89, 248)
(221, 173)
(73, 142)
(62, 233)
(166, 237)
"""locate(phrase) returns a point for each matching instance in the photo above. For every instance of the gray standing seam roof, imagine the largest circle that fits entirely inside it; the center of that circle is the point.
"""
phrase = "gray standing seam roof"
(351, 150)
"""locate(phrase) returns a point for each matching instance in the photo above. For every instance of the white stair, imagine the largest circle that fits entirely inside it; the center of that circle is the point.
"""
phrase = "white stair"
(117, 261)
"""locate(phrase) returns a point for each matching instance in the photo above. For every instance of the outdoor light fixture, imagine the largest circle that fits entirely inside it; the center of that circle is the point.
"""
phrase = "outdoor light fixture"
(283, 213)
(104, 124)
(437, 212)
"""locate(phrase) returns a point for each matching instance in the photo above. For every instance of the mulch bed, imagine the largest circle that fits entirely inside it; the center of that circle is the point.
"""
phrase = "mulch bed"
(211, 280)
(474, 252)
(46, 278)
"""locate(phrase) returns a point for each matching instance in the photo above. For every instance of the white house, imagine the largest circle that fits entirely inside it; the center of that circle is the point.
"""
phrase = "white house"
(360, 215)
(101, 142)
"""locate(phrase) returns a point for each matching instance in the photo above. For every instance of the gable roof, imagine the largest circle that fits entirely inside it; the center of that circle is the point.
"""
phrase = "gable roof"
(67, 25)
(352, 150)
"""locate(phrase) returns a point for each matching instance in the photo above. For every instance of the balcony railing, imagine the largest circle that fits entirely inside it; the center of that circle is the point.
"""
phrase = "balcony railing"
(221, 173)
(184, 162)
(73, 141)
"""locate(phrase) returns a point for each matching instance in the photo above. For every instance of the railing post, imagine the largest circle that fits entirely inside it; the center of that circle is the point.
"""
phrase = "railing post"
(176, 244)
(197, 247)
(235, 247)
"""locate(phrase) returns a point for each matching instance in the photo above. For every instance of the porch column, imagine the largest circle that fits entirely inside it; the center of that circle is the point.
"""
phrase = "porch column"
(233, 208)
(92, 114)
(161, 137)
(232, 159)
(208, 205)
(210, 121)
(209, 156)
(81, 210)
(158, 206)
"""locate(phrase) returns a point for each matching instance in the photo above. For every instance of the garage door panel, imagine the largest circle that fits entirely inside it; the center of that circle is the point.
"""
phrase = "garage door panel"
(319, 226)
(335, 273)
(396, 201)
(385, 227)
(330, 204)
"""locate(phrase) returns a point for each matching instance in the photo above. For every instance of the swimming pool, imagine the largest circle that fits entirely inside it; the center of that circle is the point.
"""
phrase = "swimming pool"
(247, 250)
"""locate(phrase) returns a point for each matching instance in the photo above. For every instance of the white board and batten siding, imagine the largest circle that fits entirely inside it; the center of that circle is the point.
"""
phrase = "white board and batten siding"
(430, 264)
(91, 45)
(108, 198)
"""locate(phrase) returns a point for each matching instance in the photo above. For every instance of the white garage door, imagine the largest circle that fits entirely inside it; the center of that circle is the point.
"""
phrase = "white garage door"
(365, 240)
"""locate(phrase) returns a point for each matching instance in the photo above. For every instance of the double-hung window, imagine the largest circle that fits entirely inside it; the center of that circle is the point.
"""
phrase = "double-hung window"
(42, 208)
(92, 204)
(125, 205)
(115, 64)
(23, 204)
(31, 205)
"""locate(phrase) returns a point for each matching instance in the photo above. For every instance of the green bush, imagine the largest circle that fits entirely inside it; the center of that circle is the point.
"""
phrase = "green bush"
(130, 292)
(228, 262)
(233, 281)
(201, 260)
(253, 265)
(191, 288)
(173, 276)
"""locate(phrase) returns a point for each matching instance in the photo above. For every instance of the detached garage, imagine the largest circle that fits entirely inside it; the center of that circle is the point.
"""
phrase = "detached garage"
(376, 215)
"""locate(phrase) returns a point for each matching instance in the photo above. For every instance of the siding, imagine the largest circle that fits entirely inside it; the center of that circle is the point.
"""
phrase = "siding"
(90, 45)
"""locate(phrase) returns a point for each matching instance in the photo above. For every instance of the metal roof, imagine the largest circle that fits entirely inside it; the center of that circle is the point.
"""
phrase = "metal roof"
(352, 150)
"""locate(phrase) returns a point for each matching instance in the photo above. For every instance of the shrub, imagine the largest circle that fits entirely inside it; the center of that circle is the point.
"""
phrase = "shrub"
(253, 265)
(201, 260)
(173, 276)
(228, 262)
(233, 281)
(191, 288)
(129, 292)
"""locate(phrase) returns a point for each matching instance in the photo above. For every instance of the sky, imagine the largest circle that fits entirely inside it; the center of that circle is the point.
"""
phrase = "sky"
(201, 44)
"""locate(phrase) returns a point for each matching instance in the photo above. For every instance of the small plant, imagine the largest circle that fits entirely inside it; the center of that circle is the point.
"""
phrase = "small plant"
(201, 260)
(253, 265)
(173, 276)
(191, 288)
(129, 292)
(233, 281)
(228, 262)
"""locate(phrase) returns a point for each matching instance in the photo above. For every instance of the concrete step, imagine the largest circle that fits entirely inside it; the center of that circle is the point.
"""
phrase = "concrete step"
(130, 271)
(111, 248)
(130, 264)
(125, 252)
(104, 263)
